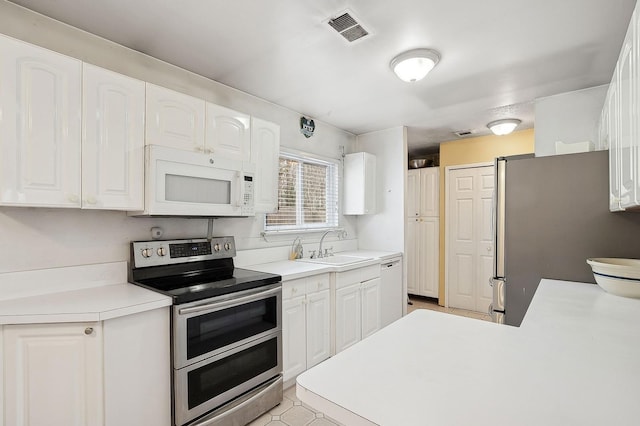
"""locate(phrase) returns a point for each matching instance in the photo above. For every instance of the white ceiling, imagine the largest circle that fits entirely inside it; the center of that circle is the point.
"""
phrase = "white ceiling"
(498, 56)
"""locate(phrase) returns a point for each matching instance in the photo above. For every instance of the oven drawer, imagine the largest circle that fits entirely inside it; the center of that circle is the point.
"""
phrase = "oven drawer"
(208, 384)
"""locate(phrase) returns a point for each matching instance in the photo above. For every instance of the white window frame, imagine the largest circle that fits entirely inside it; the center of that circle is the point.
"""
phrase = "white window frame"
(334, 182)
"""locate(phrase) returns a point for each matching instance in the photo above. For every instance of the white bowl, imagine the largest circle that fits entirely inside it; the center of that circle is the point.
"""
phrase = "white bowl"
(617, 276)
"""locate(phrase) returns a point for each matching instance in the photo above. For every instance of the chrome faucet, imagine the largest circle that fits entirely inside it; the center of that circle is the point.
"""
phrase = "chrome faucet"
(320, 254)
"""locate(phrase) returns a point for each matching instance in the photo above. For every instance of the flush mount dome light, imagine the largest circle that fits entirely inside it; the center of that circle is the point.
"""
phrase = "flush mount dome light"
(415, 64)
(503, 127)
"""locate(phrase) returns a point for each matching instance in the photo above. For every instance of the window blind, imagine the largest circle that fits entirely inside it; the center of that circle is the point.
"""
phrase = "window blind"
(307, 194)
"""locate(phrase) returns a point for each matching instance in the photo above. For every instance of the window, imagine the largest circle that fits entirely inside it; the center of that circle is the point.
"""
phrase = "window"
(307, 194)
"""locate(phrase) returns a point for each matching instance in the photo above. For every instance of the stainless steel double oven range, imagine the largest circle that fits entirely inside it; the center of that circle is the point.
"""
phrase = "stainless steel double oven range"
(226, 329)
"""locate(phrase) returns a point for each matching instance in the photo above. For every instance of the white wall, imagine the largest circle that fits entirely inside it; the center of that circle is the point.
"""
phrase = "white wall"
(385, 229)
(568, 117)
(41, 238)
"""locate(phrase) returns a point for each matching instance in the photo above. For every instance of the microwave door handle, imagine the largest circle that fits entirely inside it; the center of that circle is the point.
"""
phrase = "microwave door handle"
(240, 189)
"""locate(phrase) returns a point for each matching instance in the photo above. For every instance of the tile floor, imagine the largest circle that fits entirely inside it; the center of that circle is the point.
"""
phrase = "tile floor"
(292, 412)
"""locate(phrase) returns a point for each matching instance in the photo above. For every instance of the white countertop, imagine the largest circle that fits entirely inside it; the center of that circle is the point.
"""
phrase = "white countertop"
(293, 269)
(73, 294)
(574, 361)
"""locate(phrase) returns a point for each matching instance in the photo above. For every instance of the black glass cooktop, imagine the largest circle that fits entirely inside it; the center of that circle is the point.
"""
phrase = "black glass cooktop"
(201, 280)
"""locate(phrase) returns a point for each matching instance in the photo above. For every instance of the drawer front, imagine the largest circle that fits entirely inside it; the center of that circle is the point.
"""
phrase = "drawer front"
(317, 283)
(293, 288)
(346, 278)
(369, 272)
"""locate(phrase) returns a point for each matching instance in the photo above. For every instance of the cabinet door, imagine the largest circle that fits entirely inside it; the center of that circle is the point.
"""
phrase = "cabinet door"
(413, 193)
(370, 307)
(614, 146)
(53, 374)
(318, 327)
(413, 256)
(113, 141)
(265, 154)
(227, 133)
(40, 105)
(294, 337)
(359, 183)
(174, 119)
(348, 316)
(626, 119)
(429, 191)
(428, 264)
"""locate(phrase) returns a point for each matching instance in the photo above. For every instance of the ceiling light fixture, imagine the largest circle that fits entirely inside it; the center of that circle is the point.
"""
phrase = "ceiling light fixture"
(503, 127)
(415, 64)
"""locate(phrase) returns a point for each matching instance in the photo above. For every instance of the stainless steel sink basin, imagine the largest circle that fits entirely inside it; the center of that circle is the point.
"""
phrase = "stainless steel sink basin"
(338, 260)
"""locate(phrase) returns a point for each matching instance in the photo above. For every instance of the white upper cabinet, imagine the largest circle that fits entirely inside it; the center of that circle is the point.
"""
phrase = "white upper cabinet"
(113, 141)
(423, 192)
(174, 119)
(265, 151)
(40, 107)
(619, 126)
(429, 191)
(228, 133)
(359, 183)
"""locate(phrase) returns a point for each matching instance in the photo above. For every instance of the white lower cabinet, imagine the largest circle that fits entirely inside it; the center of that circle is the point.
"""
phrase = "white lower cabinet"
(422, 256)
(357, 305)
(53, 374)
(114, 373)
(306, 327)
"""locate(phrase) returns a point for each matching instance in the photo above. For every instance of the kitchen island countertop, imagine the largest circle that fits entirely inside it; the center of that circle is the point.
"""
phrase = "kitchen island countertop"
(575, 360)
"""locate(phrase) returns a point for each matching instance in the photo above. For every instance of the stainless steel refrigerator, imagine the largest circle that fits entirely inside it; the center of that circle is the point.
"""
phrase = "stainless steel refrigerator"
(550, 215)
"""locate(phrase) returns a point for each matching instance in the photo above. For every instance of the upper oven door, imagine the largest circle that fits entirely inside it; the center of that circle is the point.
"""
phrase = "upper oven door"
(205, 328)
(192, 184)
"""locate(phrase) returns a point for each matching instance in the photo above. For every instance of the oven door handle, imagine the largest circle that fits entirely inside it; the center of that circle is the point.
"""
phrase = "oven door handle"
(228, 303)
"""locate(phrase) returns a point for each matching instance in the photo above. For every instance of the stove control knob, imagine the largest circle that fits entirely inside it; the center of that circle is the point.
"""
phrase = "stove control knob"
(147, 252)
(227, 246)
(161, 251)
(216, 247)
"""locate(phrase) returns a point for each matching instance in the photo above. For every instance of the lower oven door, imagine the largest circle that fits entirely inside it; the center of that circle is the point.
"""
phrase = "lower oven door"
(205, 385)
(206, 328)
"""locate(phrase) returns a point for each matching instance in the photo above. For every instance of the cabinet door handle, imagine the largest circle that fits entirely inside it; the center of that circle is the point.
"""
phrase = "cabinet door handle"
(88, 330)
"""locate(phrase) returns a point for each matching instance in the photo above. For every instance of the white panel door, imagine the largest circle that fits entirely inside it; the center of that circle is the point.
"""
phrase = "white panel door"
(484, 265)
(614, 146)
(53, 375)
(429, 191)
(318, 327)
(413, 193)
(470, 250)
(413, 256)
(174, 119)
(370, 307)
(348, 316)
(428, 265)
(265, 153)
(228, 133)
(294, 356)
(40, 107)
(113, 141)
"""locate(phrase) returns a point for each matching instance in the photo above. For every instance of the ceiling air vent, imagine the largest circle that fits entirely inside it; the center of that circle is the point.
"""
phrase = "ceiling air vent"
(348, 27)
(463, 133)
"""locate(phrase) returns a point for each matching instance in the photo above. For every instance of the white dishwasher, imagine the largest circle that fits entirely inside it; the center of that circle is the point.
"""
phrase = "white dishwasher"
(391, 291)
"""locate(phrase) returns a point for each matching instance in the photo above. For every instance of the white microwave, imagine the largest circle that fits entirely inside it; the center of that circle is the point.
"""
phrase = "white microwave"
(184, 183)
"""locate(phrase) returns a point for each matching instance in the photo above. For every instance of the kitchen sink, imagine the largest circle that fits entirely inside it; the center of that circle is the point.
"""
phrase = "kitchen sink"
(338, 260)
